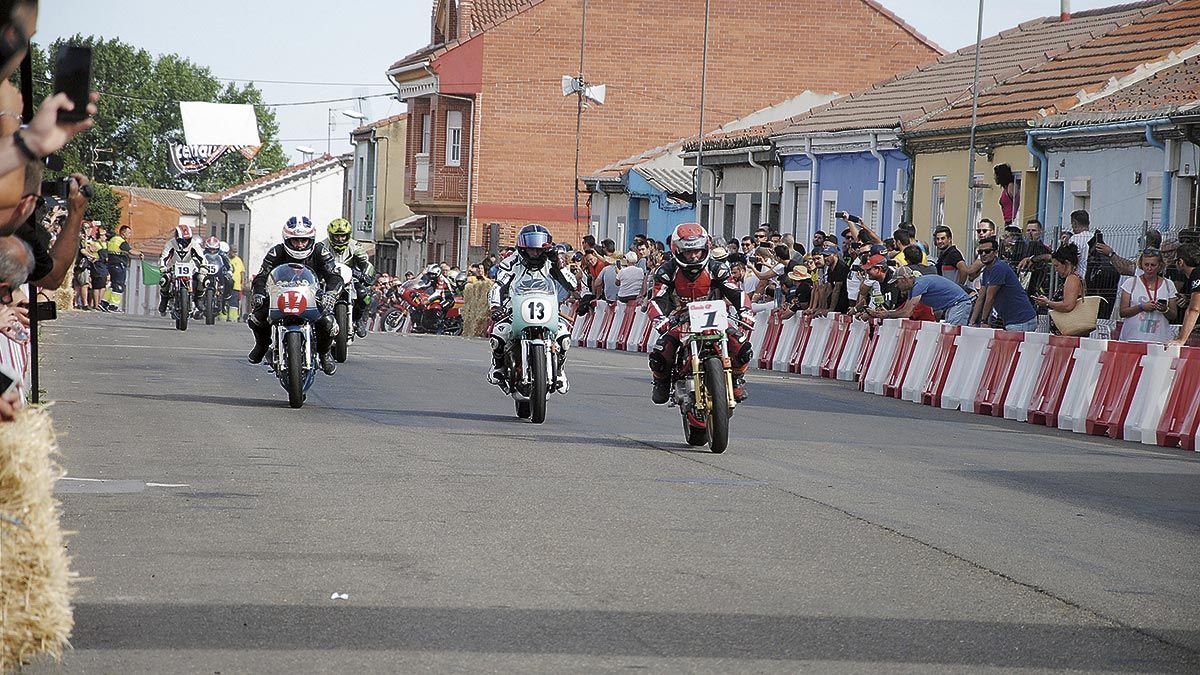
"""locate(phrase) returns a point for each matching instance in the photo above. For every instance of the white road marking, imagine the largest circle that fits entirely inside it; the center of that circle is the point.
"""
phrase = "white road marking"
(114, 480)
(168, 485)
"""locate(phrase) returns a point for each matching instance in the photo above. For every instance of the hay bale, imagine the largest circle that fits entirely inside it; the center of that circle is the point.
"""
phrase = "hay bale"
(35, 586)
(475, 307)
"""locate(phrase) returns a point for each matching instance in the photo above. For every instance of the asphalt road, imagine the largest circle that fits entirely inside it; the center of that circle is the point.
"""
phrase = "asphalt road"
(840, 532)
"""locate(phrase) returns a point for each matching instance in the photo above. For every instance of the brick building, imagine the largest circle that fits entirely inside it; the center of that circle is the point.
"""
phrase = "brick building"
(491, 141)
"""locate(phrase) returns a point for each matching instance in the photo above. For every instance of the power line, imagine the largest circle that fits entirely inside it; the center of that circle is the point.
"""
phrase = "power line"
(140, 99)
(322, 84)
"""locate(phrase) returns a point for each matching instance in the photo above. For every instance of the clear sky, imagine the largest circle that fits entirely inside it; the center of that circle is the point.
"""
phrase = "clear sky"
(354, 42)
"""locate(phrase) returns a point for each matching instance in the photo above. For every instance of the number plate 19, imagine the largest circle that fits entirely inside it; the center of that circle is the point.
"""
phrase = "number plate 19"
(708, 315)
(183, 269)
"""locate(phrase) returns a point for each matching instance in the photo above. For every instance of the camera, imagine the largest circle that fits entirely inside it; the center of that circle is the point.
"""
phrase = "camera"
(61, 189)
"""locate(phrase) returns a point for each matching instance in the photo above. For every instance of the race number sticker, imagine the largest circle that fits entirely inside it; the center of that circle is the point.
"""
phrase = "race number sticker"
(708, 315)
(183, 269)
(534, 310)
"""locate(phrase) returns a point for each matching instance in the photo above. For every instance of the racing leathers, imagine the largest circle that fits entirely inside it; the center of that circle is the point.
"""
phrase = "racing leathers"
(321, 262)
(508, 272)
(354, 256)
(224, 276)
(171, 254)
(673, 290)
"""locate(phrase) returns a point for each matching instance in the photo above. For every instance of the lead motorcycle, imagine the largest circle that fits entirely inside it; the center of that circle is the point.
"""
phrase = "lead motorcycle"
(292, 293)
(532, 359)
(181, 289)
(702, 378)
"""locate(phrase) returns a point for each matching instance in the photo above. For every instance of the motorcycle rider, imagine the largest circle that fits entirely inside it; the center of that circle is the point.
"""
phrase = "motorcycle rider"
(440, 296)
(532, 257)
(215, 258)
(299, 246)
(689, 275)
(183, 247)
(353, 255)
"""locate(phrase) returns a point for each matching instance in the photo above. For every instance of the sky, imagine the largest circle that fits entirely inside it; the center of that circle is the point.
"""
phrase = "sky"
(341, 50)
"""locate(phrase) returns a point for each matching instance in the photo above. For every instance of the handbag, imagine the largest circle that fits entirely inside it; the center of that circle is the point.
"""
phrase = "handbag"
(1081, 320)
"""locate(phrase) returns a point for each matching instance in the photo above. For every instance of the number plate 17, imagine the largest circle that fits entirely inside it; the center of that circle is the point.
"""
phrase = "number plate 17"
(708, 315)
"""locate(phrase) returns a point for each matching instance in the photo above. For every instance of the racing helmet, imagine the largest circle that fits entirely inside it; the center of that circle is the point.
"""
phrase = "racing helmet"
(212, 244)
(224, 248)
(183, 235)
(432, 273)
(533, 245)
(690, 246)
(299, 237)
(339, 234)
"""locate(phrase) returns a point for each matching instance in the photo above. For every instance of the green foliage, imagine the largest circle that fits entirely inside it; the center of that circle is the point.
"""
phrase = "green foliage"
(103, 206)
(139, 118)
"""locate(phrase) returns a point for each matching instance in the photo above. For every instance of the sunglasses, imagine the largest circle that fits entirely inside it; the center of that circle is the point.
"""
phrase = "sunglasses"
(982, 231)
(984, 251)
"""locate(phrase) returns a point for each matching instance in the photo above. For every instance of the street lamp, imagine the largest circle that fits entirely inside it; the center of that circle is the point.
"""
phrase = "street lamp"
(308, 153)
(352, 114)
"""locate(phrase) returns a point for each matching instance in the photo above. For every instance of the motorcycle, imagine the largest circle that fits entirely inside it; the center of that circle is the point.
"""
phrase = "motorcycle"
(211, 296)
(702, 377)
(532, 360)
(343, 314)
(428, 314)
(293, 309)
(181, 288)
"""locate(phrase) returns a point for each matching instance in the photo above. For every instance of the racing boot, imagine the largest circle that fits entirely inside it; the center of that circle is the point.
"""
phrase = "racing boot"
(662, 391)
(498, 374)
(262, 341)
(163, 300)
(739, 388)
(360, 327)
(328, 365)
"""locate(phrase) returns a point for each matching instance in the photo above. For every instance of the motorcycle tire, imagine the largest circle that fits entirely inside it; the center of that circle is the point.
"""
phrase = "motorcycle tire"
(453, 327)
(718, 419)
(392, 321)
(210, 307)
(183, 308)
(523, 410)
(293, 344)
(695, 436)
(539, 387)
(341, 342)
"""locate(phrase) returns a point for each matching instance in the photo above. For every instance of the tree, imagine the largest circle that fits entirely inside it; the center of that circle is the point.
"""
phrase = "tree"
(103, 206)
(139, 118)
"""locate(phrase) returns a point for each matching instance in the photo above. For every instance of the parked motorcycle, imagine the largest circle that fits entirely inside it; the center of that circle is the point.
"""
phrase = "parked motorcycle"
(532, 360)
(343, 314)
(292, 312)
(702, 378)
(181, 289)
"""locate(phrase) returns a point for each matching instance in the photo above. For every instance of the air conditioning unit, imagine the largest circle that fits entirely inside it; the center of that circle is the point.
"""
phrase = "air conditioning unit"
(1081, 186)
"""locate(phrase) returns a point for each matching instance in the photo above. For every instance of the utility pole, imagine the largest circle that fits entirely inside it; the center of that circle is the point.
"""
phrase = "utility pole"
(971, 146)
(579, 117)
(700, 197)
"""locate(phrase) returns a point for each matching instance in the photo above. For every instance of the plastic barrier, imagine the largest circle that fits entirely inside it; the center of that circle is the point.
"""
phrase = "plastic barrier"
(926, 348)
(940, 364)
(580, 331)
(906, 343)
(997, 374)
(787, 338)
(1181, 414)
(839, 330)
(774, 328)
(1120, 372)
(971, 349)
(1072, 414)
(1047, 394)
(609, 339)
(632, 327)
(601, 324)
(881, 358)
(796, 353)
(1146, 408)
(646, 337)
(760, 332)
(810, 362)
(864, 362)
(852, 353)
(1030, 354)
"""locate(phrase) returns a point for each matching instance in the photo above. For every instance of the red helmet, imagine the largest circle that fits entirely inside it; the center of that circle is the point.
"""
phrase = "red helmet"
(213, 243)
(690, 246)
(183, 235)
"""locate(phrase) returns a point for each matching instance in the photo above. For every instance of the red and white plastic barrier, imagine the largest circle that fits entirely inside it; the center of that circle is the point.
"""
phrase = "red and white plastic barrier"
(971, 349)
(1077, 397)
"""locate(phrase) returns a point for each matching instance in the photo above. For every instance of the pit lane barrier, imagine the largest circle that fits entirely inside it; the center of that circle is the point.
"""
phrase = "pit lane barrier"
(1133, 391)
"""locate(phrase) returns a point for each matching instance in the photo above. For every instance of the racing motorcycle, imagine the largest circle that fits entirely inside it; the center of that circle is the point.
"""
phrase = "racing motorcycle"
(181, 288)
(211, 297)
(532, 359)
(343, 314)
(702, 377)
(427, 314)
(292, 313)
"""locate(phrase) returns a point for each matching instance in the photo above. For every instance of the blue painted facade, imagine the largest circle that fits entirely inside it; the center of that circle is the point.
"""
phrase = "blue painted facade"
(851, 175)
(662, 215)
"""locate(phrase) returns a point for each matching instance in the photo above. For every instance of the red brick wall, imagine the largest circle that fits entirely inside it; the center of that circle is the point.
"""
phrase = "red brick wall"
(649, 55)
(153, 223)
(446, 184)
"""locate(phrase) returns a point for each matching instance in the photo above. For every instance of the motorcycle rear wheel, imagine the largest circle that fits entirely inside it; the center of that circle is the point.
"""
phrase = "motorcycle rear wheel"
(718, 420)
(341, 342)
(294, 348)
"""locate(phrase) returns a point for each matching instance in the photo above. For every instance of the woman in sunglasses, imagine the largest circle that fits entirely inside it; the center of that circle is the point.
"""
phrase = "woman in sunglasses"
(1066, 263)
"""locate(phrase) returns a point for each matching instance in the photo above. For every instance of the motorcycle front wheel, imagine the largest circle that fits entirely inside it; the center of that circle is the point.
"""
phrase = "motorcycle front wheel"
(538, 387)
(341, 342)
(183, 308)
(718, 420)
(293, 344)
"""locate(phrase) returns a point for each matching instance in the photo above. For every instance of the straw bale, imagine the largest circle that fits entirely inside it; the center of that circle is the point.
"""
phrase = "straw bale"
(475, 307)
(35, 577)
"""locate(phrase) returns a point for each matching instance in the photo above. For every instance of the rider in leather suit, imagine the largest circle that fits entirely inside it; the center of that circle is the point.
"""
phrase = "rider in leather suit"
(690, 274)
(299, 246)
(215, 257)
(533, 256)
(352, 254)
(183, 247)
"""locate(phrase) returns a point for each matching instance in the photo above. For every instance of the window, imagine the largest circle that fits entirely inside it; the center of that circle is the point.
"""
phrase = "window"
(756, 212)
(870, 209)
(730, 217)
(829, 201)
(1154, 212)
(425, 131)
(453, 138)
(938, 199)
(800, 211)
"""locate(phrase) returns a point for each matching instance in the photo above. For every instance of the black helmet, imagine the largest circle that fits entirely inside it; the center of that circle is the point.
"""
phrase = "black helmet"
(533, 245)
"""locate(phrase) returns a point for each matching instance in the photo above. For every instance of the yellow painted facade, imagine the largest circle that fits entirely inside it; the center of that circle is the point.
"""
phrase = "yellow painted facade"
(950, 168)
(389, 176)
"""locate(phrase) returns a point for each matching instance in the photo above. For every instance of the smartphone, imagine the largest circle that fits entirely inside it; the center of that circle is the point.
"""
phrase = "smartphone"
(1099, 237)
(8, 379)
(73, 76)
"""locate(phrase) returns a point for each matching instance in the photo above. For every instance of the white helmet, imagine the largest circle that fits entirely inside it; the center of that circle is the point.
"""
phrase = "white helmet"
(299, 237)
(224, 248)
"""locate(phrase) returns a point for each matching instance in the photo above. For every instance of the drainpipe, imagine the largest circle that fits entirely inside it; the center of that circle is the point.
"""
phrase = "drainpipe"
(1167, 178)
(814, 186)
(1043, 175)
(765, 209)
(880, 179)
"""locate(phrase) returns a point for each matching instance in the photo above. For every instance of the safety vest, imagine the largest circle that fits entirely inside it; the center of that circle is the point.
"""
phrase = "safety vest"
(114, 249)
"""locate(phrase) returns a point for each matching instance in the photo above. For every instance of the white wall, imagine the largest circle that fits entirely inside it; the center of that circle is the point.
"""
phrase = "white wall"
(271, 209)
(1115, 197)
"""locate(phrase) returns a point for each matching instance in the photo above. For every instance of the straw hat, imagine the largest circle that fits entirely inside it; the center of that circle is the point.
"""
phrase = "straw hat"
(799, 273)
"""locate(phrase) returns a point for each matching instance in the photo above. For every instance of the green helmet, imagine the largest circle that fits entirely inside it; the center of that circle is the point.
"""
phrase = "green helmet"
(339, 234)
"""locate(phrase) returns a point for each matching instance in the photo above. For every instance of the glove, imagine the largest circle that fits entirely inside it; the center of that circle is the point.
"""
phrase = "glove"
(660, 324)
(497, 314)
(258, 301)
(327, 301)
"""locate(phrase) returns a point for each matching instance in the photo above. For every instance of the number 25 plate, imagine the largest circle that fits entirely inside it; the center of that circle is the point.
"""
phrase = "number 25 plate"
(708, 315)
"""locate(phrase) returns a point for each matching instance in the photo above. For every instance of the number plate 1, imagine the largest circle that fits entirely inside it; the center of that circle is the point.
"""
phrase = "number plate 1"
(708, 315)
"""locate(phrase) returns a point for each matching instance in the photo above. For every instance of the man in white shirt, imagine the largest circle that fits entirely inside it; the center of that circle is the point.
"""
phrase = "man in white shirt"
(1081, 227)
(629, 278)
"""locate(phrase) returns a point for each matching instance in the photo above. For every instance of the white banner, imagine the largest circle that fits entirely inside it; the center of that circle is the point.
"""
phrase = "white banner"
(219, 123)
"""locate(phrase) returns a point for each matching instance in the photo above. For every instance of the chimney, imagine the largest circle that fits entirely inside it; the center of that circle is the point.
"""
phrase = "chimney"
(465, 9)
(1064, 13)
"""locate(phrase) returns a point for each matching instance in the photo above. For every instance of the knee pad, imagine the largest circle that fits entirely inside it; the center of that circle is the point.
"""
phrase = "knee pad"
(497, 344)
(564, 343)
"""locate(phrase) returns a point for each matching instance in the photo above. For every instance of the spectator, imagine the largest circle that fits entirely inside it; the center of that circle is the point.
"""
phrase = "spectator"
(608, 286)
(1010, 197)
(1036, 260)
(1065, 261)
(631, 278)
(1188, 302)
(790, 241)
(747, 247)
(610, 251)
(1081, 236)
(1002, 291)
(588, 243)
(16, 262)
(914, 252)
(799, 295)
(939, 293)
(950, 262)
(837, 274)
(903, 240)
(238, 268)
(1145, 301)
(818, 240)
(100, 270)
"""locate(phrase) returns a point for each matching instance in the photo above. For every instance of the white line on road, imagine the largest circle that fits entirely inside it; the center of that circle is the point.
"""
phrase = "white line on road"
(115, 480)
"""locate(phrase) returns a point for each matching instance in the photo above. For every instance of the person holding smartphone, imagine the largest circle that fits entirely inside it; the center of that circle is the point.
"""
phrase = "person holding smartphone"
(1146, 301)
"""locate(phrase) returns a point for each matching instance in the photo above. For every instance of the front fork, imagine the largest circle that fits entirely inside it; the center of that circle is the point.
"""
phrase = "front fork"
(278, 334)
(703, 402)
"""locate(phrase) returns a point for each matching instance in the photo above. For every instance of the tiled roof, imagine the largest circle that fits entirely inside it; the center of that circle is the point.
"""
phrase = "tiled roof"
(379, 123)
(269, 178)
(487, 13)
(176, 199)
(934, 86)
(671, 180)
(1053, 86)
(1161, 94)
